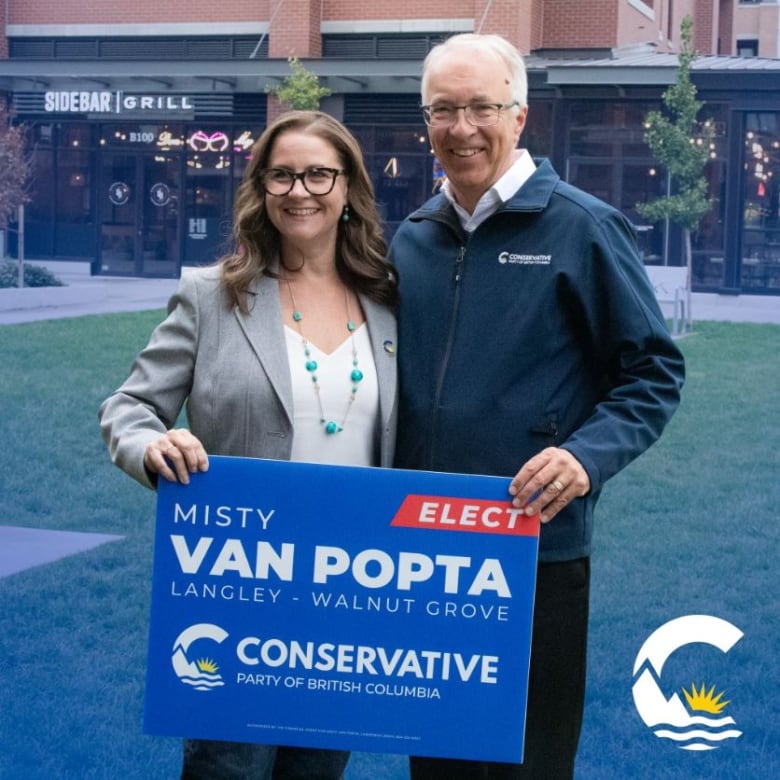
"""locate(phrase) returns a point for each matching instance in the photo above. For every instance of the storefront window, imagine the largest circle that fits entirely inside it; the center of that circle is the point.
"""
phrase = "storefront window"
(608, 129)
(400, 164)
(708, 240)
(74, 233)
(243, 141)
(74, 224)
(39, 212)
(538, 134)
(74, 136)
(402, 183)
(142, 137)
(761, 198)
(641, 183)
(624, 184)
(607, 156)
(216, 158)
(401, 140)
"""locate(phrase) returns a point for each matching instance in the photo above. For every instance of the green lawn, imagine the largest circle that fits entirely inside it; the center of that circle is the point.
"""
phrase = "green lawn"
(691, 527)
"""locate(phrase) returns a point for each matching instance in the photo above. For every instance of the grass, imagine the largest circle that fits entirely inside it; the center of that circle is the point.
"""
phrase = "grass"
(691, 527)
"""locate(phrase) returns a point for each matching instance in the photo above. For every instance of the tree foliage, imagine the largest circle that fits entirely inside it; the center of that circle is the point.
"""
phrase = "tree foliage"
(681, 144)
(15, 170)
(301, 89)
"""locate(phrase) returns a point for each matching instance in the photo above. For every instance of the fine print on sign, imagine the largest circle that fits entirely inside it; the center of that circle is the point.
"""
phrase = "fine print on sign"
(339, 607)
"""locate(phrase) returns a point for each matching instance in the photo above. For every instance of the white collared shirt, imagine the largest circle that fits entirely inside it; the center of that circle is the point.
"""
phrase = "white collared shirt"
(522, 169)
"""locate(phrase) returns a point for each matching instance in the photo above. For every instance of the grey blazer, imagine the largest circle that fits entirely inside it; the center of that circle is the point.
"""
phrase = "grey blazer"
(231, 370)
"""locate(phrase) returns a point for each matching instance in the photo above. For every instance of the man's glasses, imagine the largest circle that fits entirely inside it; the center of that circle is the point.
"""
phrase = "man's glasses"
(477, 114)
(316, 181)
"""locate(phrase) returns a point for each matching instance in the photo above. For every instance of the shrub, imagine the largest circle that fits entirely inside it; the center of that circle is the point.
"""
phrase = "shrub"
(34, 275)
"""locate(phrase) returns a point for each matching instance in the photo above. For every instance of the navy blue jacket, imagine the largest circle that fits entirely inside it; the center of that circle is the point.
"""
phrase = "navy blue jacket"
(538, 329)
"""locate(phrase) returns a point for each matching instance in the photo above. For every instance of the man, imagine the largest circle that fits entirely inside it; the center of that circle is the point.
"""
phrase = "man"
(530, 345)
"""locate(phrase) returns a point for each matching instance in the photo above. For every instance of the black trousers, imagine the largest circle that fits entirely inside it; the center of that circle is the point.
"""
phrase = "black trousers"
(556, 690)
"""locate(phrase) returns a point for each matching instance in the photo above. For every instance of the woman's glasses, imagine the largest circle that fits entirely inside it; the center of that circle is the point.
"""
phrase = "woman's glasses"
(316, 181)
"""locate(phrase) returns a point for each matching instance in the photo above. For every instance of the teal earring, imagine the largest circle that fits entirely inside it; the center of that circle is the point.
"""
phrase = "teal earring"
(345, 213)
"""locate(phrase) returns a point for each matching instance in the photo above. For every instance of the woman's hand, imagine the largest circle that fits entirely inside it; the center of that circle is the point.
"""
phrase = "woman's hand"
(175, 456)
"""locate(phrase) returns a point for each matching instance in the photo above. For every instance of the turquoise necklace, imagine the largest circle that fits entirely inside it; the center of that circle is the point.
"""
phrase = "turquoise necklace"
(355, 375)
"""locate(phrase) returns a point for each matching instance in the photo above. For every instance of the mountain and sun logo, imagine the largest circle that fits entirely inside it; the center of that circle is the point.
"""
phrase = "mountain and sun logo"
(702, 722)
(202, 674)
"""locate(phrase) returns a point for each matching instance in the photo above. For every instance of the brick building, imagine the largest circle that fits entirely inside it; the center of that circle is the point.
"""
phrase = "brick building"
(141, 114)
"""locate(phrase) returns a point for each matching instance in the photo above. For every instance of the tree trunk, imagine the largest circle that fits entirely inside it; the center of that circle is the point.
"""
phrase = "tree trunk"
(20, 250)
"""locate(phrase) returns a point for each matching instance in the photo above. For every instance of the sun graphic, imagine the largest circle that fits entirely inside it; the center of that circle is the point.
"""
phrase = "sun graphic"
(208, 666)
(705, 702)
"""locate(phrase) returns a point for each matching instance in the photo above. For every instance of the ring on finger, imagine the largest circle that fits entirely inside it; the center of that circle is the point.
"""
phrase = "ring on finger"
(556, 485)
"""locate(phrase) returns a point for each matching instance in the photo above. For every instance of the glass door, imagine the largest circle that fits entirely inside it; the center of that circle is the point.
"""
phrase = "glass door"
(139, 223)
(117, 198)
(159, 236)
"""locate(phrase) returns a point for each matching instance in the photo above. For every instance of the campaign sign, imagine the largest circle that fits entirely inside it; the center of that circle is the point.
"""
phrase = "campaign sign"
(363, 609)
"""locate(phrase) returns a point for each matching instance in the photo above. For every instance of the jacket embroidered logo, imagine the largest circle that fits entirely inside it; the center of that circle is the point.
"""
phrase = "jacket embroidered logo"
(518, 259)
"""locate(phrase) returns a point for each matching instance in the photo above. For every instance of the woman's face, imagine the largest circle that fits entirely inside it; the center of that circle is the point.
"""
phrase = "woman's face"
(305, 220)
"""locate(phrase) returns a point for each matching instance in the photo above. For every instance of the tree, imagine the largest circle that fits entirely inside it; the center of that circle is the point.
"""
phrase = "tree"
(682, 145)
(15, 171)
(301, 89)
(15, 174)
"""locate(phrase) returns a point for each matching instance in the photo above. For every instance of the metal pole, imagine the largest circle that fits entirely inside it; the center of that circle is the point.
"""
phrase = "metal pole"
(264, 35)
(484, 16)
(667, 223)
(20, 213)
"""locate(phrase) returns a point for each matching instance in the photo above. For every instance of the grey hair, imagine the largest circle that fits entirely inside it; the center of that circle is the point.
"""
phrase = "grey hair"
(491, 44)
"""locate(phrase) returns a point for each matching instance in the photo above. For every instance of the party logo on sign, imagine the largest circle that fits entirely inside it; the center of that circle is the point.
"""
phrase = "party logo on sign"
(701, 721)
(202, 673)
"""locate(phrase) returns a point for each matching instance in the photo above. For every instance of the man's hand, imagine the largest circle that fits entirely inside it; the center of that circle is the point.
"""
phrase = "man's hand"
(548, 482)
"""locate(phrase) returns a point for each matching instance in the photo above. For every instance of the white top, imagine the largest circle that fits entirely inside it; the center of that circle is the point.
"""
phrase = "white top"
(356, 444)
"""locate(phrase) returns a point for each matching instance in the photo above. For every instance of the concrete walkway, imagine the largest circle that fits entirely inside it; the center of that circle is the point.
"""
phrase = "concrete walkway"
(82, 294)
(85, 294)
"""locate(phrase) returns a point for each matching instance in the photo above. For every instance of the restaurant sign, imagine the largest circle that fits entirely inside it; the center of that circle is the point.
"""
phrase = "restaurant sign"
(114, 102)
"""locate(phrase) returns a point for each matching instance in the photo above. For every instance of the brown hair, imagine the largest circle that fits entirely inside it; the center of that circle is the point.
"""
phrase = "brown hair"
(360, 244)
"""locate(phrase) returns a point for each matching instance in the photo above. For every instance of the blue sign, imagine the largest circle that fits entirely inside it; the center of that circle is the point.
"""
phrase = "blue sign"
(363, 609)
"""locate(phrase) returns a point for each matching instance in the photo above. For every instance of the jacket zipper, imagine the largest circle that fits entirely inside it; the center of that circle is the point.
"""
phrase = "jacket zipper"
(458, 273)
(459, 265)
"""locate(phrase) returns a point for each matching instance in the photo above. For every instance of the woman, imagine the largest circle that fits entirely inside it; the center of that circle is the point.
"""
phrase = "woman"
(284, 350)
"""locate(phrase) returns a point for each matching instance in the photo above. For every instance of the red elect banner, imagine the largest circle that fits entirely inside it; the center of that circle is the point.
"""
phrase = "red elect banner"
(465, 514)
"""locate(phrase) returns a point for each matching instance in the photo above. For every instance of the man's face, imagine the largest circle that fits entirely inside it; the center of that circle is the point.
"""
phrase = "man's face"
(473, 158)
